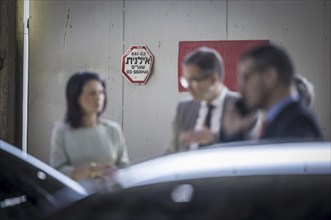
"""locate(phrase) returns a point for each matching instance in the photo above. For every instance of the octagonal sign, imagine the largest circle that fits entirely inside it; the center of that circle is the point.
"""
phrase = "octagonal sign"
(137, 64)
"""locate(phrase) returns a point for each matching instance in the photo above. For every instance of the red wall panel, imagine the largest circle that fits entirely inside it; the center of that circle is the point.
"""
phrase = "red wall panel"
(230, 50)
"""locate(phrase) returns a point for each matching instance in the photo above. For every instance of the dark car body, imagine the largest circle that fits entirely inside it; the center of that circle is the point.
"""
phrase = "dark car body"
(263, 181)
(30, 189)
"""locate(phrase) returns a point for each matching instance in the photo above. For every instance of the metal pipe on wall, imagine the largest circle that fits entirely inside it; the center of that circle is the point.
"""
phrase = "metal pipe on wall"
(26, 15)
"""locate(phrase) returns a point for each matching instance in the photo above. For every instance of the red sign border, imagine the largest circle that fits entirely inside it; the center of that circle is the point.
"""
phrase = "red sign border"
(140, 82)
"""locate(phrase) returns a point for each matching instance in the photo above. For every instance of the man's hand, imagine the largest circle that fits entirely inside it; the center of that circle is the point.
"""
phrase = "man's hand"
(234, 122)
(203, 137)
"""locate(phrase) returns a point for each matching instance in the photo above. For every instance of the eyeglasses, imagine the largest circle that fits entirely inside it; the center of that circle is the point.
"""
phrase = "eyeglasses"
(193, 81)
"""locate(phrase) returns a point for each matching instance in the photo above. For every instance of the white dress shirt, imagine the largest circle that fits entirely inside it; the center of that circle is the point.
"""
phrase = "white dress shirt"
(216, 115)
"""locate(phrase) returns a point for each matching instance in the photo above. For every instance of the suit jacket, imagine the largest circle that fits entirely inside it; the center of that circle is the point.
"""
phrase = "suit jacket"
(187, 113)
(293, 122)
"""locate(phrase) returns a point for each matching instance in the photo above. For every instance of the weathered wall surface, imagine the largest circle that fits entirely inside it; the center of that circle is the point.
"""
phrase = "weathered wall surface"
(66, 36)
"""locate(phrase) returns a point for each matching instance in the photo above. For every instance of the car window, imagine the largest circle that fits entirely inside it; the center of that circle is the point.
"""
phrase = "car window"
(15, 203)
(30, 188)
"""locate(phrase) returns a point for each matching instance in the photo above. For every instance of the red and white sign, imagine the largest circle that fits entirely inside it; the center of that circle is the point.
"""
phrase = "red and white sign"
(137, 64)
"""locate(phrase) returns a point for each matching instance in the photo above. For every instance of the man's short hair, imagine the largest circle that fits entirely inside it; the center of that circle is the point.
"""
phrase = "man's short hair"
(208, 60)
(266, 56)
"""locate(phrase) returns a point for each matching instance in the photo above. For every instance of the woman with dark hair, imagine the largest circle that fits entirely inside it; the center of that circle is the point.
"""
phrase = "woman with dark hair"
(85, 145)
(305, 90)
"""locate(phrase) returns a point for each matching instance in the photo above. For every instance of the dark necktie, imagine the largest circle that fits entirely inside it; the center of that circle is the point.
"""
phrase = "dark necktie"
(208, 117)
(263, 128)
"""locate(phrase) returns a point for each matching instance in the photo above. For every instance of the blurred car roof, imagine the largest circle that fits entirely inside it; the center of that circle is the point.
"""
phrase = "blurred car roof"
(234, 159)
(259, 181)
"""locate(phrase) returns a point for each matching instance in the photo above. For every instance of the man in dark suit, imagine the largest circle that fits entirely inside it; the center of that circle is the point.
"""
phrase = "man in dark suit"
(199, 119)
(266, 78)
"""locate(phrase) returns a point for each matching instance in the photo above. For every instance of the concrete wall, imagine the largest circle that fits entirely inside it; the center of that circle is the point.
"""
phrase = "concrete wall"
(66, 36)
(8, 71)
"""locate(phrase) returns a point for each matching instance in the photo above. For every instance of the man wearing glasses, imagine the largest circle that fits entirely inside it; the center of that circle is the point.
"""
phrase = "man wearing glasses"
(198, 121)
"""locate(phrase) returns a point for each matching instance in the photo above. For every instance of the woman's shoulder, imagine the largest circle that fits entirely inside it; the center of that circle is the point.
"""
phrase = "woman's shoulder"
(60, 129)
(110, 124)
(61, 126)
